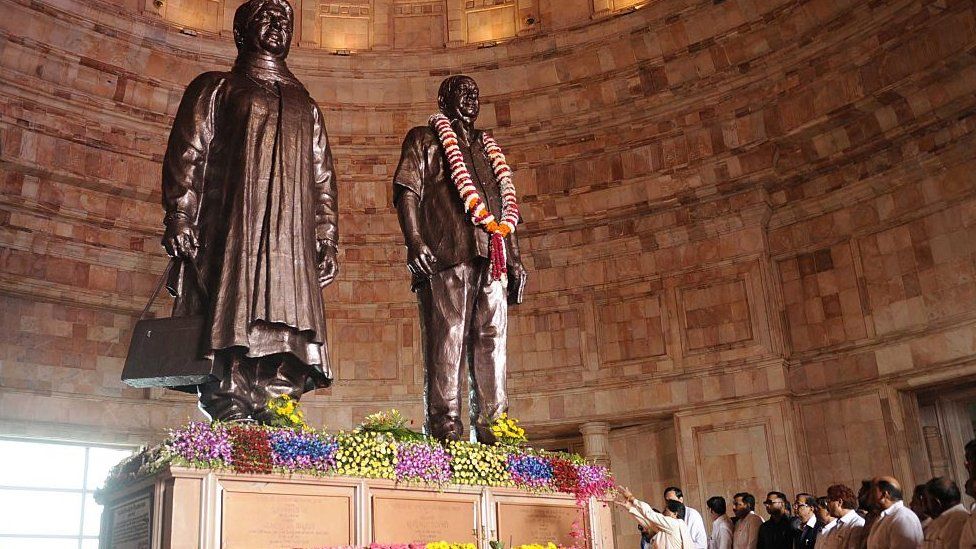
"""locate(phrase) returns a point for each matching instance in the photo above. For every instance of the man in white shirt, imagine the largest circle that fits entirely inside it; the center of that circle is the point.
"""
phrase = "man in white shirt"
(745, 535)
(692, 518)
(848, 526)
(897, 527)
(721, 537)
(805, 507)
(943, 504)
(967, 540)
(917, 505)
(669, 531)
(826, 519)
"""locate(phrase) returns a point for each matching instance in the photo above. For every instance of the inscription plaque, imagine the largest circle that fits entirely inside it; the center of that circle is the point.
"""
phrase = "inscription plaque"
(521, 524)
(405, 520)
(131, 523)
(284, 521)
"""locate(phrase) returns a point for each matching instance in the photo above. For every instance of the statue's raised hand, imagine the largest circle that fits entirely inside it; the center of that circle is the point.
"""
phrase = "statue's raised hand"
(180, 238)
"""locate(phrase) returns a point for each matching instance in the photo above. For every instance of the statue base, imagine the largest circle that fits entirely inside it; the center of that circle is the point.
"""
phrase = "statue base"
(182, 507)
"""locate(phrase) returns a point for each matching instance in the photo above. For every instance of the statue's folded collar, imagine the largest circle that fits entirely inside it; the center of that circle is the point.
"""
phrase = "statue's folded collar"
(265, 69)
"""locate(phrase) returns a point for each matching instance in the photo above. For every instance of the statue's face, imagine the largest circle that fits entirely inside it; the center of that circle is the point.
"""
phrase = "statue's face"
(270, 31)
(464, 104)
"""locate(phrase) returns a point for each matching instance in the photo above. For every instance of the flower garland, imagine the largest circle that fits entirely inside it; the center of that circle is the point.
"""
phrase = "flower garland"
(474, 205)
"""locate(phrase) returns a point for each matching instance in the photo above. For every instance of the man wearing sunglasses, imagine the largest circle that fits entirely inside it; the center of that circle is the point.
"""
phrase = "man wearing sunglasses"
(778, 531)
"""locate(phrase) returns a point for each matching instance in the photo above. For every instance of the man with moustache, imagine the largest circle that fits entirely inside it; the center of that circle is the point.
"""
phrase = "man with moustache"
(896, 527)
(806, 523)
(745, 535)
(943, 503)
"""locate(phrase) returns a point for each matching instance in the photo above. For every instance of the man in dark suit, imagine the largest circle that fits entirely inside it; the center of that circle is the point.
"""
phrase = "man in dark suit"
(463, 308)
(777, 532)
(805, 521)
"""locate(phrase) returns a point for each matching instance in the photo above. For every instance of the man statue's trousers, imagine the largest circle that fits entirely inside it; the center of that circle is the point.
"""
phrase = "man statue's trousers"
(464, 318)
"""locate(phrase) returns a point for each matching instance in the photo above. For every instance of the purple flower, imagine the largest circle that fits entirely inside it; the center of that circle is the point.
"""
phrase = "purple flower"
(424, 462)
(201, 443)
(594, 481)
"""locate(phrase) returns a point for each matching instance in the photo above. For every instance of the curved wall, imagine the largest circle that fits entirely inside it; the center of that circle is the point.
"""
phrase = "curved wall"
(743, 220)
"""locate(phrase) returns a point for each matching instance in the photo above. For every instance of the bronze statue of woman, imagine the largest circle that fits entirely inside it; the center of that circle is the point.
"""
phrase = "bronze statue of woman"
(251, 204)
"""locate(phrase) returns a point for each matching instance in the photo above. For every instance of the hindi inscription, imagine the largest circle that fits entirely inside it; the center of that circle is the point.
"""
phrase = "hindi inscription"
(272, 521)
(521, 524)
(404, 520)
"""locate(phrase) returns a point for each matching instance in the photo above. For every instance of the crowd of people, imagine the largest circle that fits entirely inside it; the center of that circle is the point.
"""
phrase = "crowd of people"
(876, 517)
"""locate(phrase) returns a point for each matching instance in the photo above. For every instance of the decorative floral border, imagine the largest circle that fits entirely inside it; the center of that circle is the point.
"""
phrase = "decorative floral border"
(249, 448)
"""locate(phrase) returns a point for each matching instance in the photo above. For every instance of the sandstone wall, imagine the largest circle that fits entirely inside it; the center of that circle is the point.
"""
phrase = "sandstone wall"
(747, 220)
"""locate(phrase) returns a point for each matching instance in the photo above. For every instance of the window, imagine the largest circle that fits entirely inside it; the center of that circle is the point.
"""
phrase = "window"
(46, 493)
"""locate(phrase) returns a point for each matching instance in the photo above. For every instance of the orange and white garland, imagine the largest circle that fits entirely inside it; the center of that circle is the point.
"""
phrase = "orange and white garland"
(473, 203)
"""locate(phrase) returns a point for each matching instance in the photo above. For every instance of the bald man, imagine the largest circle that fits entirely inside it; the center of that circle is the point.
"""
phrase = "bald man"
(897, 527)
(943, 503)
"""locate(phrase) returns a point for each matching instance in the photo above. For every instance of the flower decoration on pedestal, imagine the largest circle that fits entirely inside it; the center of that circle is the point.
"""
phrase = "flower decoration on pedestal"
(303, 450)
(593, 481)
(446, 545)
(507, 431)
(479, 464)
(423, 462)
(285, 412)
(389, 422)
(529, 471)
(251, 449)
(565, 475)
(374, 451)
(201, 443)
(549, 545)
(367, 455)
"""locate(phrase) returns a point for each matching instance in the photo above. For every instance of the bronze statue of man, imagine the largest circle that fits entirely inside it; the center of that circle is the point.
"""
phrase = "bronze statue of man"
(250, 195)
(457, 211)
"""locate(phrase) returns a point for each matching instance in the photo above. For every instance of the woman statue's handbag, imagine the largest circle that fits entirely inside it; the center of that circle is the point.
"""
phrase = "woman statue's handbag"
(169, 352)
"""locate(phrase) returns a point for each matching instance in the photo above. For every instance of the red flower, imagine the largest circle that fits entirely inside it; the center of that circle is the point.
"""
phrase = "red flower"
(564, 476)
(251, 451)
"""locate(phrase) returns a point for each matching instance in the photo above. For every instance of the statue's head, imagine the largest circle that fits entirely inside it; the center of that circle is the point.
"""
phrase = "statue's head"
(458, 98)
(264, 26)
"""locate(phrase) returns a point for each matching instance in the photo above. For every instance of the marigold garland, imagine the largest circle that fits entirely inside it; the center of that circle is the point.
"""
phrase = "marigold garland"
(474, 204)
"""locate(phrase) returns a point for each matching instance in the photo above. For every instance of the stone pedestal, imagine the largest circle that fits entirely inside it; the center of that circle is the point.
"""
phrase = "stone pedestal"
(180, 508)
